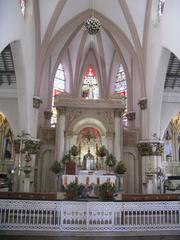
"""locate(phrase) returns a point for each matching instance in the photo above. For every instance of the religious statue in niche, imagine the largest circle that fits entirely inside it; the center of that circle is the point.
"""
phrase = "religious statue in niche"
(88, 161)
(87, 141)
(90, 89)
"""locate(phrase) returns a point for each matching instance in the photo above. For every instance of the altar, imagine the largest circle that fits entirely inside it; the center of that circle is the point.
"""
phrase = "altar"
(88, 178)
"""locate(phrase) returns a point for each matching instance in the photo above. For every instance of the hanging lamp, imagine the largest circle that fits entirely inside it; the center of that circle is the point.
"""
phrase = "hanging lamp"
(92, 24)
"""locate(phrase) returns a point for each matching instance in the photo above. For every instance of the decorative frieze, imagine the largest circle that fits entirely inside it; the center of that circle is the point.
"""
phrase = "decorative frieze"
(47, 135)
(26, 144)
(36, 102)
(150, 147)
(61, 111)
(48, 114)
(119, 113)
(143, 103)
(131, 116)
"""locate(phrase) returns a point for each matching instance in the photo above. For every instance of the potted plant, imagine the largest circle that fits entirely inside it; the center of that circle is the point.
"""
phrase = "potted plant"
(72, 191)
(56, 167)
(120, 168)
(102, 151)
(74, 150)
(110, 160)
(106, 191)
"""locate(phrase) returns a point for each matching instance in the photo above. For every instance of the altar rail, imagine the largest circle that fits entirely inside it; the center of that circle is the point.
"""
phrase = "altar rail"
(89, 216)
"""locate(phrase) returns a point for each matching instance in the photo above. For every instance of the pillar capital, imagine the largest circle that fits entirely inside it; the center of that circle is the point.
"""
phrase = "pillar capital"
(61, 111)
(131, 116)
(143, 103)
(109, 134)
(119, 113)
(150, 147)
(37, 101)
(47, 114)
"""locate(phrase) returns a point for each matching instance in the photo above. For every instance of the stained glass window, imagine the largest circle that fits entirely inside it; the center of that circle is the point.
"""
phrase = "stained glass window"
(23, 7)
(120, 82)
(58, 88)
(90, 89)
(160, 7)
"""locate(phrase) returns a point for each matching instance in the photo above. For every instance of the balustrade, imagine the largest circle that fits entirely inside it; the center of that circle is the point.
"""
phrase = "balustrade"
(89, 216)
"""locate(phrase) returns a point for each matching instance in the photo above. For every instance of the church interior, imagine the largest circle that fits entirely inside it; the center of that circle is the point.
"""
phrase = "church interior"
(89, 103)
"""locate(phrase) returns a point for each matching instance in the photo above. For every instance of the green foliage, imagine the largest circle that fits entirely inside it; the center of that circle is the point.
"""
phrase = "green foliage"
(72, 191)
(110, 160)
(106, 191)
(120, 168)
(66, 158)
(102, 151)
(56, 167)
(74, 150)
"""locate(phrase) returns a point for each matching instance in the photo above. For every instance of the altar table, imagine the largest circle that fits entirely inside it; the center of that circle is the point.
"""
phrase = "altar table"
(88, 179)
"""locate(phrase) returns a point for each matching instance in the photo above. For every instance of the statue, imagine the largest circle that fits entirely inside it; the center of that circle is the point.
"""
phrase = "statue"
(88, 161)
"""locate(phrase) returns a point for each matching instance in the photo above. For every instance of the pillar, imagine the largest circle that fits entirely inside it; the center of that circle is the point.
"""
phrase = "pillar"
(151, 152)
(109, 139)
(118, 135)
(143, 117)
(60, 131)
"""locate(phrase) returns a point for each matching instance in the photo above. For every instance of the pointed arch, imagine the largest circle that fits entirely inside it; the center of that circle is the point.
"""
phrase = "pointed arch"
(90, 88)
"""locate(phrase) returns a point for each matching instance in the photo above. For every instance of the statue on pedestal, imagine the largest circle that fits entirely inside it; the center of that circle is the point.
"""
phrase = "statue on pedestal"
(88, 161)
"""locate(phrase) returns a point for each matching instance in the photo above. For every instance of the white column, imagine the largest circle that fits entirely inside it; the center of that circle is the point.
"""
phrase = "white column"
(60, 130)
(118, 135)
(151, 152)
(109, 139)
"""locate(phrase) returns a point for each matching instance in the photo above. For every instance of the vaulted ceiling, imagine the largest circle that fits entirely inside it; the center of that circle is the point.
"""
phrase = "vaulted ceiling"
(123, 35)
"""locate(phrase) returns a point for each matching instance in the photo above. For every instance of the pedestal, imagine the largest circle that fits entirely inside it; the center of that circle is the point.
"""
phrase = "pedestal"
(26, 184)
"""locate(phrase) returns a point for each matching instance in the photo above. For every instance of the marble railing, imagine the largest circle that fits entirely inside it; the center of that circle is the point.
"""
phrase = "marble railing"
(89, 216)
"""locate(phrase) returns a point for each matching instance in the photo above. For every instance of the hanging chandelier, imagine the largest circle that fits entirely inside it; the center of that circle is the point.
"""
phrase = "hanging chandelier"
(92, 25)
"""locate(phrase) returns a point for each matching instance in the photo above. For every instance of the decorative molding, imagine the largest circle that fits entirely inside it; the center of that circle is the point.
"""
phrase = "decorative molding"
(26, 143)
(61, 111)
(131, 116)
(150, 147)
(143, 103)
(109, 134)
(119, 113)
(36, 102)
(48, 135)
(63, 101)
(48, 114)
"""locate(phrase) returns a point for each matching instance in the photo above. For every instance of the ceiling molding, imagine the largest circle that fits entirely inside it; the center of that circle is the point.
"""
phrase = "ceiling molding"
(146, 32)
(78, 21)
(70, 72)
(78, 62)
(110, 73)
(103, 64)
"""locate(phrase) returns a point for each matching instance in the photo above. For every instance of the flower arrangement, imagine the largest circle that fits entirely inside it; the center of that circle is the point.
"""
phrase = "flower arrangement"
(56, 167)
(23, 145)
(102, 151)
(106, 191)
(150, 148)
(92, 25)
(74, 151)
(120, 168)
(110, 160)
(72, 191)
(66, 158)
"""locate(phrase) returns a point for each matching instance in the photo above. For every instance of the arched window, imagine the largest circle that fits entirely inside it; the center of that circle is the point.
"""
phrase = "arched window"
(90, 89)
(160, 7)
(120, 87)
(58, 88)
(120, 82)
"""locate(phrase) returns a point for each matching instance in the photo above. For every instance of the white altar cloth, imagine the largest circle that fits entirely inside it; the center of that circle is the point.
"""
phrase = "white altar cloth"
(88, 179)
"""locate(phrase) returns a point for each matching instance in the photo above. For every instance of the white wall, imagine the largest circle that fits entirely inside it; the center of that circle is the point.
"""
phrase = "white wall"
(10, 109)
